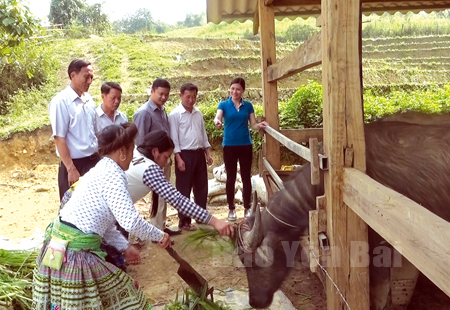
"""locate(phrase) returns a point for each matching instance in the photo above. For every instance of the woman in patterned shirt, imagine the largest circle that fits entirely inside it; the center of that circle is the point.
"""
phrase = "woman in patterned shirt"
(71, 272)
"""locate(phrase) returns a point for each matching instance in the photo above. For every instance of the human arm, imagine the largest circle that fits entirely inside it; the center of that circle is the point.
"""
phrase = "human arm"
(154, 178)
(180, 162)
(255, 125)
(121, 206)
(218, 119)
(174, 124)
(72, 173)
(209, 159)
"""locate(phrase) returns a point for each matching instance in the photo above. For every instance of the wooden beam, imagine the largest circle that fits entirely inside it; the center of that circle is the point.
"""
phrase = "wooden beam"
(294, 2)
(303, 57)
(256, 22)
(268, 2)
(276, 178)
(303, 135)
(270, 93)
(315, 170)
(298, 149)
(343, 124)
(313, 240)
(419, 235)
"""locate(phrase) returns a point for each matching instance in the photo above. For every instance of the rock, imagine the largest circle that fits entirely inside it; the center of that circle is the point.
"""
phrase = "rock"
(41, 189)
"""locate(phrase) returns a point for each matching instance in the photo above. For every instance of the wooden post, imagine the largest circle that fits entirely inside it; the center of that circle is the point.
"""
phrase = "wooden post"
(343, 128)
(270, 93)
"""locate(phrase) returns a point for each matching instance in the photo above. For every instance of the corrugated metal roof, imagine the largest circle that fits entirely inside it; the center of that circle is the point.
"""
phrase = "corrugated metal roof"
(242, 10)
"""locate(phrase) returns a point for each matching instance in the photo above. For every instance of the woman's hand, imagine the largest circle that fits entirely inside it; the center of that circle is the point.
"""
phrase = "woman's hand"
(224, 228)
(218, 123)
(132, 255)
(165, 242)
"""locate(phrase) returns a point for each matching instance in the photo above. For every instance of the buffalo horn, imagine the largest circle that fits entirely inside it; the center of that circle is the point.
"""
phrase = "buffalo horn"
(252, 239)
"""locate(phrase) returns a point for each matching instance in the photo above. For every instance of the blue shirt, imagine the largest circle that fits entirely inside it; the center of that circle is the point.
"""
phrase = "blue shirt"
(236, 130)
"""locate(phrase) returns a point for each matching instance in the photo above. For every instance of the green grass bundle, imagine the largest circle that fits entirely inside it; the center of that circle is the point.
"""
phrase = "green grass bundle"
(202, 236)
(192, 301)
(16, 277)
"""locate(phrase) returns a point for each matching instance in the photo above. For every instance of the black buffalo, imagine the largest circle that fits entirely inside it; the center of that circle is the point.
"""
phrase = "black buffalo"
(412, 159)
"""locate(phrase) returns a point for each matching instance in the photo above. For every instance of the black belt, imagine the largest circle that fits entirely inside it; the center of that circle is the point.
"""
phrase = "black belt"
(196, 150)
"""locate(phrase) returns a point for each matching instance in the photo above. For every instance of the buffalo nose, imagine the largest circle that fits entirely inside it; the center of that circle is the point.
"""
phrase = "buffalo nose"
(260, 302)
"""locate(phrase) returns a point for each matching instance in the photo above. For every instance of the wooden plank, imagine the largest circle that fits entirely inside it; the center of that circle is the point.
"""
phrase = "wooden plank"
(321, 205)
(270, 93)
(315, 170)
(319, 21)
(419, 235)
(342, 106)
(313, 240)
(303, 135)
(268, 2)
(298, 149)
(273, 174)
(303, 57)
(403, 282)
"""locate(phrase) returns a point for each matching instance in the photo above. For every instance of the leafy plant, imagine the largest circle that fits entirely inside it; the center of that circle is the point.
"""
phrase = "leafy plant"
(193, 301)
(304, 108)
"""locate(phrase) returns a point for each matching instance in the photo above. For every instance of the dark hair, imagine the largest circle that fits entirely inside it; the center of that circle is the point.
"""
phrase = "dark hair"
(159, 139)
(76, 65)
(114, 137)
(106, 87)
(160, 83)
(189, 87)
(239, 81)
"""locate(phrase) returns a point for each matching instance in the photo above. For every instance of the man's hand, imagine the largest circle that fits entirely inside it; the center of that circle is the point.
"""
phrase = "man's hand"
(72, 175)
(181, 165)
(224, 228)
(209, 159)
(132, 255)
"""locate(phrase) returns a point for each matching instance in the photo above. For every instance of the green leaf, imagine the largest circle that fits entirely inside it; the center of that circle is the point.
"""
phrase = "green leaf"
(8, 21)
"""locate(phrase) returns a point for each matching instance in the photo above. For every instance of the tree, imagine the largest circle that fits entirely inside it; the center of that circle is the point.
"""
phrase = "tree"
(65, 12)
(16, 24)
(193, 20)
(93, 17)
(141, 20)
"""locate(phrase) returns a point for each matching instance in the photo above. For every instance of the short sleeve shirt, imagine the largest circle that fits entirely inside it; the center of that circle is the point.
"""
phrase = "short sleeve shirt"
(102, 120)
(236, 130)
(73, 117)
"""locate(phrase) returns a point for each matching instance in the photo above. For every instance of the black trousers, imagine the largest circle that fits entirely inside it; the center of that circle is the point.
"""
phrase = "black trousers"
(231, 156)
(83, 165)
(195, 178)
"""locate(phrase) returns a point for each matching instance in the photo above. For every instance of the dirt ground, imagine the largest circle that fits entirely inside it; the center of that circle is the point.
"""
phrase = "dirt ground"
(29, 200)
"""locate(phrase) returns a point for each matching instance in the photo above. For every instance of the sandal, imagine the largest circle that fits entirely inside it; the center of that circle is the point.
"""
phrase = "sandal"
(188, 227)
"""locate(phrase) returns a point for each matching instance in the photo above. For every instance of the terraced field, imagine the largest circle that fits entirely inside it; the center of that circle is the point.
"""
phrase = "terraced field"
(408, 63)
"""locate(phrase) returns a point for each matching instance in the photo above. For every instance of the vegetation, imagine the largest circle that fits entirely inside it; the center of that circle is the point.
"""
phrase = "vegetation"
(16, 276)
(193, 301)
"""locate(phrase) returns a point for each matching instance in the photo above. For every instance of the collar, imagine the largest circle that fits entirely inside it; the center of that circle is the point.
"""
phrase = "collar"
(153, 105)
(100, 111)
(183, 109)
(242, 101)
(73, 95)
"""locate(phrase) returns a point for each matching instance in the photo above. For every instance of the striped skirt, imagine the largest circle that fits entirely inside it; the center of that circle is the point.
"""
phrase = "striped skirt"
(85, 281)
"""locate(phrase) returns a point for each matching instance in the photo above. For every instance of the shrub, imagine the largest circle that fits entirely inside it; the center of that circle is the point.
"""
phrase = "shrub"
(32, 67)
(300, 33)
(304, 108)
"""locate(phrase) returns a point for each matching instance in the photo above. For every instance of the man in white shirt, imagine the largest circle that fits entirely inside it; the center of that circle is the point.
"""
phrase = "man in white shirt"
(72, 116)
(107, 113)
(192, 150)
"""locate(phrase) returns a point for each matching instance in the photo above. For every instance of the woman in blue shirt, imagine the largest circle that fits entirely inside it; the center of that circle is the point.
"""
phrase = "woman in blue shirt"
(237, 143)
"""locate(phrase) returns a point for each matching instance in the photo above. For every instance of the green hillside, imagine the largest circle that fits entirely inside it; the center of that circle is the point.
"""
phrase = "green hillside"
(134, 61)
